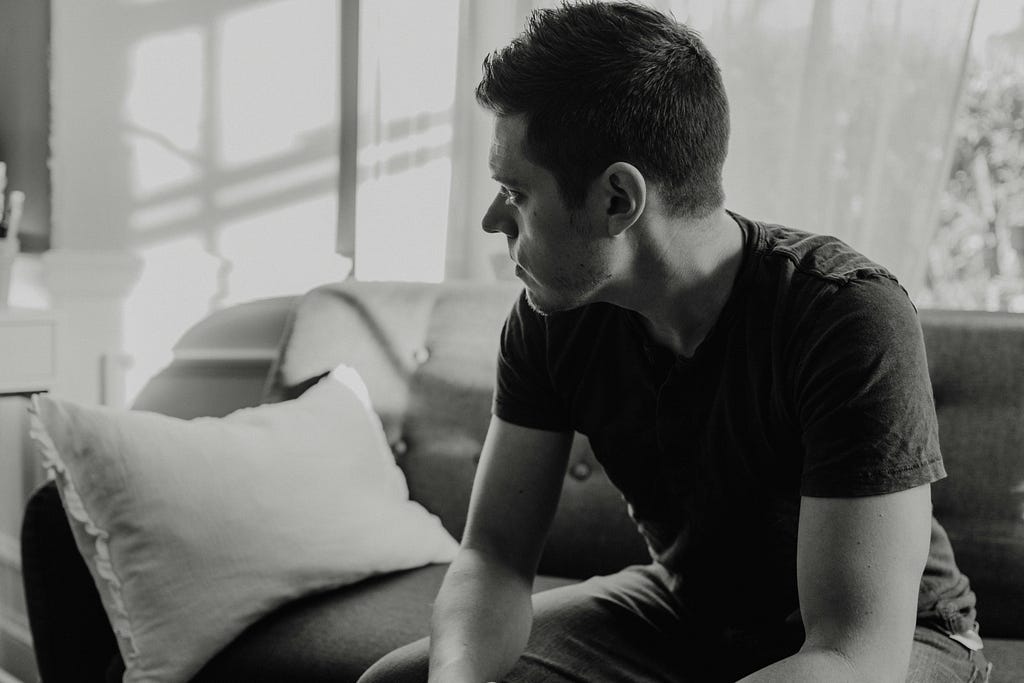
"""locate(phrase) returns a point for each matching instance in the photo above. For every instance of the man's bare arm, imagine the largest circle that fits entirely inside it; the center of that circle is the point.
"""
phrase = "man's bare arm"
(483, 613)
(859, 566)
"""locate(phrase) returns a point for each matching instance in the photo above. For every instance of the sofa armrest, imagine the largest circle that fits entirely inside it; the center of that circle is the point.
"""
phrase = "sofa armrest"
(222, 363)
(71, 636)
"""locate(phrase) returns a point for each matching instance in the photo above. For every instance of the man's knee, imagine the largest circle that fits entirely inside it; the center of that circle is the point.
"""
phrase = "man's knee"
(408, 664)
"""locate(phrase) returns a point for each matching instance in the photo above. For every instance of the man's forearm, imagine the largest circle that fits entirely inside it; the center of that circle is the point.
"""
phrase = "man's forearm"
(481, 620)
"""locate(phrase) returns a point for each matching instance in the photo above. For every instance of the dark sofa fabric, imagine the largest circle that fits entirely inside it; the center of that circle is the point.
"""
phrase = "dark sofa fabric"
(332, 636)
(976, 363)
(337, 636)
(70, 632)
(427, 353)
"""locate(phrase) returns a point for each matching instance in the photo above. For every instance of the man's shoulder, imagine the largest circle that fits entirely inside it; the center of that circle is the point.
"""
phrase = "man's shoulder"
(817, 256)
(799, 278)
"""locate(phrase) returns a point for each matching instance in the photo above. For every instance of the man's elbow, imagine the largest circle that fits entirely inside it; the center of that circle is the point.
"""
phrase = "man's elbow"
(865, 664)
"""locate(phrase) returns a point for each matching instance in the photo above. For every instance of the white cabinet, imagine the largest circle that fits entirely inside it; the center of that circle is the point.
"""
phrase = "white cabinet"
(27, 350)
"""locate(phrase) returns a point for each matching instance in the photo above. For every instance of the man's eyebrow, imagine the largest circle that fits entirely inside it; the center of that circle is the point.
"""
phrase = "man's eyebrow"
(506, 179)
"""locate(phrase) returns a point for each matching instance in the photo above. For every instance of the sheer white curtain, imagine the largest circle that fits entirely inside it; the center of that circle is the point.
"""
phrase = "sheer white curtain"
(841, 118)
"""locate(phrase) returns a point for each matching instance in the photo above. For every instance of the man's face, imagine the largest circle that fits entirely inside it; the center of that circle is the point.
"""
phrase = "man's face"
(559, 255)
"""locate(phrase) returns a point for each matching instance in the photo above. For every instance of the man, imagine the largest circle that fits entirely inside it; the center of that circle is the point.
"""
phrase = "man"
(760, 396)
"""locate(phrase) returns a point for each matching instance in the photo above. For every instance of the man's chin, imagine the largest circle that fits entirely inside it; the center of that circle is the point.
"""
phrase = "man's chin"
(545, 306)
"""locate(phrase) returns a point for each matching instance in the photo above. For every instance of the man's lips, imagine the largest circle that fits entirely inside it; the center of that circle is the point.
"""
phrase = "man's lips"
(519, 270)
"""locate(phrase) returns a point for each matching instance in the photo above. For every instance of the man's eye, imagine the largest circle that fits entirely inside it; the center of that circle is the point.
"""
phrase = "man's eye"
(511, 196)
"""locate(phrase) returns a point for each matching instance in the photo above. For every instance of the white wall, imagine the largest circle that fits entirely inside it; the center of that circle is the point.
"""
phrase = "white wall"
(194, 165)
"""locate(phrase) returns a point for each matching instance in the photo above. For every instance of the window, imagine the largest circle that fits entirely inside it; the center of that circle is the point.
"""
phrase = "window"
(976, 259)
(404, 126)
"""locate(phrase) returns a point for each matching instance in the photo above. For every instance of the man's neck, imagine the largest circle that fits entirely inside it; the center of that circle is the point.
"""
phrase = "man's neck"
(682, 278)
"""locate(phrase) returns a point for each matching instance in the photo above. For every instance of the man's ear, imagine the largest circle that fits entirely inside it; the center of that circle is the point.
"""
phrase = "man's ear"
(621, 193)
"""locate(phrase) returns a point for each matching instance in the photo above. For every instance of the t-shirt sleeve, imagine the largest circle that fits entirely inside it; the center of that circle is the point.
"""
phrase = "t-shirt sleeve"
(524, 393)
(863, 394)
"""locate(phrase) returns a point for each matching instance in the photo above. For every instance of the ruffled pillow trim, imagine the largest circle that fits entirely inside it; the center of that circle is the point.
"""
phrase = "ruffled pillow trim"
(57, 470)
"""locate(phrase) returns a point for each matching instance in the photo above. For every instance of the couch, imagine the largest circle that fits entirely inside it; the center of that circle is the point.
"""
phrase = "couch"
(427, 353)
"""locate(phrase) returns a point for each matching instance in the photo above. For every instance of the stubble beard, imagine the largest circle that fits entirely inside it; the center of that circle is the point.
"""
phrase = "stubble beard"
(569, 295)
(570, 290)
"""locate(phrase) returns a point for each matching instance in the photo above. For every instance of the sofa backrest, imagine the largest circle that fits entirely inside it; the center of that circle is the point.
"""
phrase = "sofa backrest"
(976, 363)
(222, 363)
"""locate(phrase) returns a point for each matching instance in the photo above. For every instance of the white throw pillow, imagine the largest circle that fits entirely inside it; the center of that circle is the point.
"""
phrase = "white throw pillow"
(194, 529)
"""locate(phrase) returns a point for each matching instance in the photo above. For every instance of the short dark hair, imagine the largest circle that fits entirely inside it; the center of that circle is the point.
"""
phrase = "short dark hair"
(604, 82)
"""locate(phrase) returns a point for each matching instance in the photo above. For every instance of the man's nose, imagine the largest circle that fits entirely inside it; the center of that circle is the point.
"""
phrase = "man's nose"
(498, 218)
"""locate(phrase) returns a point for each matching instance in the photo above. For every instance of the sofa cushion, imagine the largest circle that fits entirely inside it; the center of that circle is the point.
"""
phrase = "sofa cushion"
(337, 635)
(1007, 658)
(193, 530)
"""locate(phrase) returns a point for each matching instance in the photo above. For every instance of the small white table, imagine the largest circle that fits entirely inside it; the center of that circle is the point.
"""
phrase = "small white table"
(28, 348)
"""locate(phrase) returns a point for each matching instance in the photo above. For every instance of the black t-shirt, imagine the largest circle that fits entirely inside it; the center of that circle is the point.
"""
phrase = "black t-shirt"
(812, 382)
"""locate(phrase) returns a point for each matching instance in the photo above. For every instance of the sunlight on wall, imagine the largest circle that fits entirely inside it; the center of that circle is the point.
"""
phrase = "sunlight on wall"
(408, 214)
(277, 82)
(178, 276)
(230, 121)
(164, 110)
(259, 244)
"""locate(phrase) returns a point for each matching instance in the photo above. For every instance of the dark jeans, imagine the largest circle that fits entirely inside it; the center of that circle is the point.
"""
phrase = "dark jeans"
(626, 627)
(937, 658)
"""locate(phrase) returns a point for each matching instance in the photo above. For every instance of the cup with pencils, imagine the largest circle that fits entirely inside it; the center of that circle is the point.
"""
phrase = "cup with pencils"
(11, 206)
